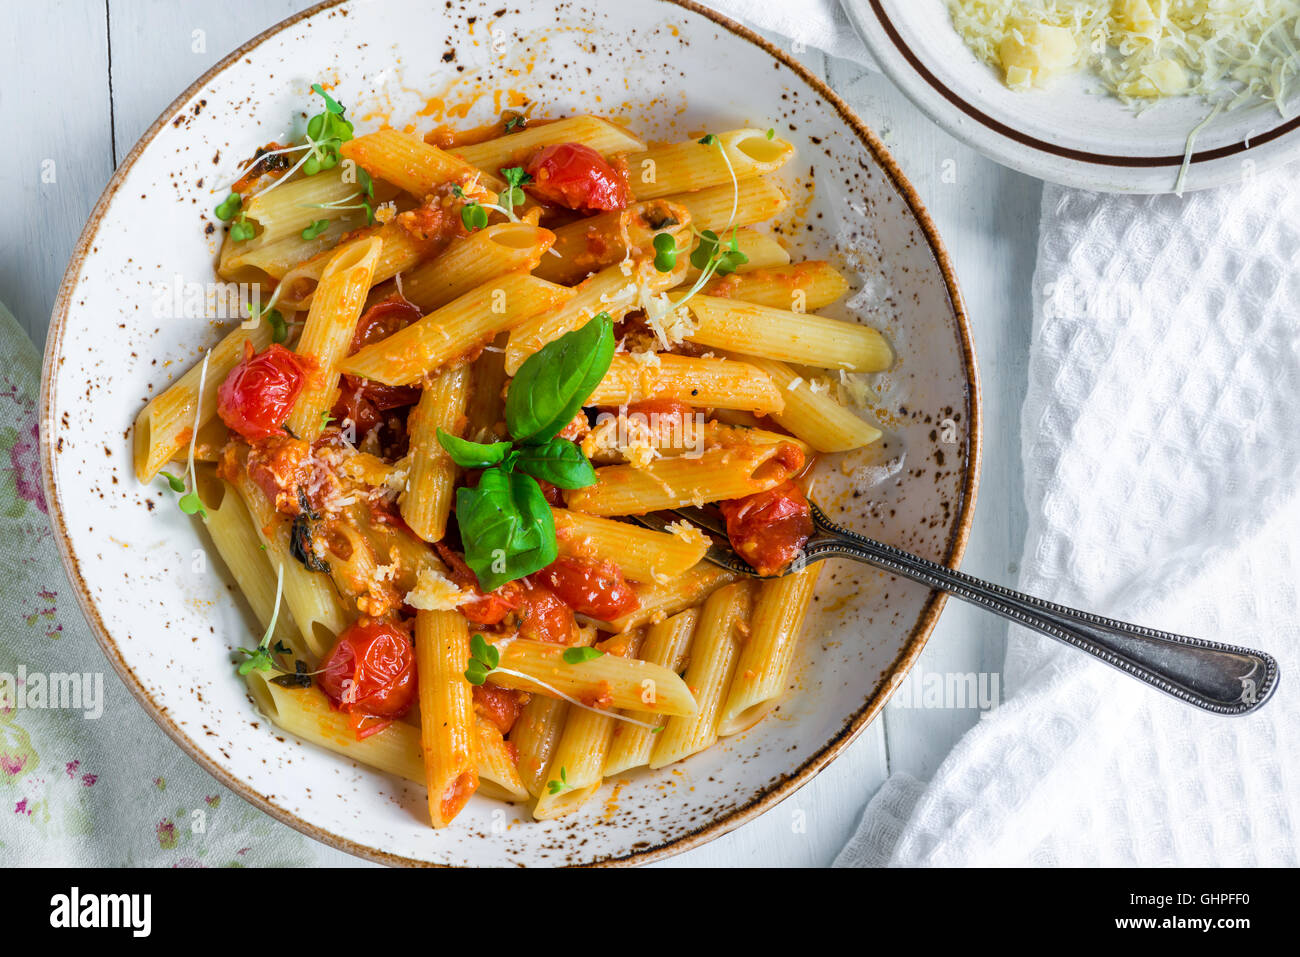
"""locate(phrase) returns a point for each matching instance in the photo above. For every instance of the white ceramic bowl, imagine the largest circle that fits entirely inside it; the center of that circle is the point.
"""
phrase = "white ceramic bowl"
(1067, 133)
(168, 620)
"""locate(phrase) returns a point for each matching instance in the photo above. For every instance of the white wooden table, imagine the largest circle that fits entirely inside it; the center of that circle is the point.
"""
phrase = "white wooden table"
(81, 80)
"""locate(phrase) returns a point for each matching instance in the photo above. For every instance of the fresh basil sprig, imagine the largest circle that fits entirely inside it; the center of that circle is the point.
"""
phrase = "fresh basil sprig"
(505, 522)
(553, 383)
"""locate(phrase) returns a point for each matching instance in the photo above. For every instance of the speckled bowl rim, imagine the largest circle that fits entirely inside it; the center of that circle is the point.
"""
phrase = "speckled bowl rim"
(773, 795)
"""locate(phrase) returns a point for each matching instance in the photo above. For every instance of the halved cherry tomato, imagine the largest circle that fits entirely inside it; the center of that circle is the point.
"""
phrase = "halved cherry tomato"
(365, 402)
(498, 705)
(543, 616)
(383, 319)
(258, 395)
(577, 177)
(595, 589)
(768, 529)
(370, 673)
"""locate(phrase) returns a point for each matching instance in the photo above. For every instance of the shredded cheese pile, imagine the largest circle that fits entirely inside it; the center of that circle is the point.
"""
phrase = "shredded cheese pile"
(1223, 51)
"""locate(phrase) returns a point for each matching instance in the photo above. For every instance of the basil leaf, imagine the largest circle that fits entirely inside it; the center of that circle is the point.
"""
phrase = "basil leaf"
(506, 526)
(555, 381)
(559, 462)
(472, 455)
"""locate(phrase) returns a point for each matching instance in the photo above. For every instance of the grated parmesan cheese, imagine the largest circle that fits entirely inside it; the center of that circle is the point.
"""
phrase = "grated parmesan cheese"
(1141, 50)
(433, 591)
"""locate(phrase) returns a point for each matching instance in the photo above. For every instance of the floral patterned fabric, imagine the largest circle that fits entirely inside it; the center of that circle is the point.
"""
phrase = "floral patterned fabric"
(75, 788)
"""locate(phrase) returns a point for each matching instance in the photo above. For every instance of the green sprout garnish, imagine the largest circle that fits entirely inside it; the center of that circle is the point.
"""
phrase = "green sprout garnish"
(483, 660)
(315, 229)
(259, 659)
(576, 656)
(555, 787)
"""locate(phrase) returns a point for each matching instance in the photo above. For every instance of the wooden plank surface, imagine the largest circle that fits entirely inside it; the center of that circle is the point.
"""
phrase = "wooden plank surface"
(987, 215)
(58, 154)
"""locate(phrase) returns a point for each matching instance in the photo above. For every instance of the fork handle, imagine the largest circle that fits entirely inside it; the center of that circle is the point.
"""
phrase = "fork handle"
(1224, 679)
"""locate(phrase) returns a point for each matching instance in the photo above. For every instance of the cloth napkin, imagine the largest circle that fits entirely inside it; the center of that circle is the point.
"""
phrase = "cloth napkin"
(1162, 472)
(819, 24)
(1161, 465)
(98, 785)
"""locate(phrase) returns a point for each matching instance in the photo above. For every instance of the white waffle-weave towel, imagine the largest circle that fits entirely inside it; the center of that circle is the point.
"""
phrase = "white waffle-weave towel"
(1162, 465)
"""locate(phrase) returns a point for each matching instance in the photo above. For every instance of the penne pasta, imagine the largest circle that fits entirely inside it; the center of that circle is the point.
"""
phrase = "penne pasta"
(240, 548)
(281, 214)
(590, 244)
(754, 330)
(698, 382)
(310, 596)
(660, 600)
(448, 727)
(327, 335)
(515, 148)
(721, 207)
(761, 252)
(430, 485)
(164, 426)
(614, 290)
(536, 732)
(642, 554)
(306, 713)
(486, 409)
(496, 764)
(714, 651)
(714, 476)
(411, 164)
(455, 330)
(666, 643)
(815, 417)
(801, 287)
(398, 252)
(474, 260)
(692, 165)
(605, 682)
(763, 666)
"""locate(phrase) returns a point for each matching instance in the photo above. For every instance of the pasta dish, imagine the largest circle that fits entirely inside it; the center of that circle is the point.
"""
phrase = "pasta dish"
(472, 356)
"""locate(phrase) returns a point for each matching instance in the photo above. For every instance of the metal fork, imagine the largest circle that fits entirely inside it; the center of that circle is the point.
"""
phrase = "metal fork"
(1224, 679)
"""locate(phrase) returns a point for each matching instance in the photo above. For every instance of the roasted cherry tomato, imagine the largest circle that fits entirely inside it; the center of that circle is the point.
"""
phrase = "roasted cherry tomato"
(370, 672)
(365, 402)
(577, 177)
(498, 705)
(484, 608)
(543, 616)
(595, 589)
(768, 529)
(259, 393)
(381, 320)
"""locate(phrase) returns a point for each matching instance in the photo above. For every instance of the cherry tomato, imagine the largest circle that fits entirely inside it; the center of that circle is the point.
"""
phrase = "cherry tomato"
(544, 616)
(483, 609)
(383, 319)
(498, 705)
(768, 529)
(595, 589)
(259, 393)
(365, 402)
(577, 177)
(371, 671)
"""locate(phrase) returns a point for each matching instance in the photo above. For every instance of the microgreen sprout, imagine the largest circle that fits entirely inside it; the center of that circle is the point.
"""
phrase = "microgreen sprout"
(473, 214)
(190, 503)
(555, 787)
(711, 256)
(576, 656)
(315, 229)
(259, 659)
(483, 659)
